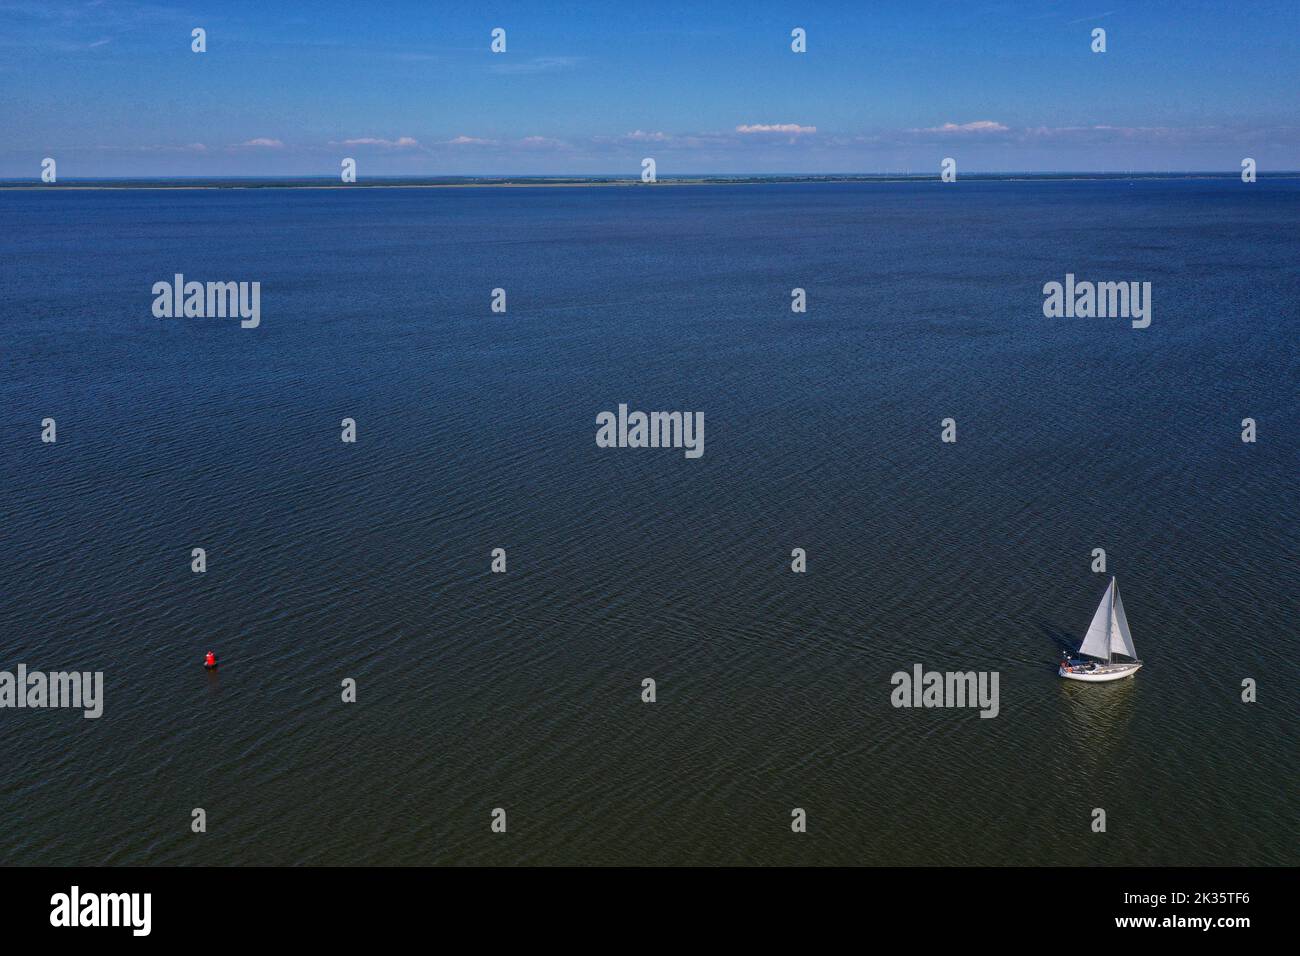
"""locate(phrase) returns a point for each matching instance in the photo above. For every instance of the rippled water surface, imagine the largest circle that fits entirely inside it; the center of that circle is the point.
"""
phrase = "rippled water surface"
(476, 431)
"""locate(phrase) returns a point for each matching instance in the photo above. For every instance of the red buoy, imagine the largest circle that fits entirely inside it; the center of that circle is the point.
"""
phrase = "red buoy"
(210, 662)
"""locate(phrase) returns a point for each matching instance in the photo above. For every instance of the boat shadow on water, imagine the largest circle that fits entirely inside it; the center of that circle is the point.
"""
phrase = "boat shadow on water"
(1066, 643)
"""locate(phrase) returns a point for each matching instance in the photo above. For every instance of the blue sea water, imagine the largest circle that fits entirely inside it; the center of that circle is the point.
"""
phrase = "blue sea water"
(476, 431)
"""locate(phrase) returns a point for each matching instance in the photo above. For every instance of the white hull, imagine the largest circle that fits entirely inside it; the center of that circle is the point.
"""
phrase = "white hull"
(1102, 672)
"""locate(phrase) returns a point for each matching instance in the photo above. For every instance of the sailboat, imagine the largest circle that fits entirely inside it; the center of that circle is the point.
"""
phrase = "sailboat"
(1107, 636)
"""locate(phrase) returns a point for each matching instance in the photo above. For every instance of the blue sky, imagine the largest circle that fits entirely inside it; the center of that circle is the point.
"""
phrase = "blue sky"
(112, 88)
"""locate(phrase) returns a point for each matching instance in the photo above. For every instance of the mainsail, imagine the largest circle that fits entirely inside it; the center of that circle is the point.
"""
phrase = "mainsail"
(1096, 643)
(1108, 633)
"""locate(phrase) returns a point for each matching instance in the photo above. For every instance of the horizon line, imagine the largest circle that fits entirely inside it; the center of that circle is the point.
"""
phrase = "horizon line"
(633, 178)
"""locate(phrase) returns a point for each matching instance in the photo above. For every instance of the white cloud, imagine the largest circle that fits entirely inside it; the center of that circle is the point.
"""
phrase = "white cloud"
(979, 126)
(538, 64)
(470, 141)
(263, 141)
(185, 148)
(1096, 16)
(1147, 134)
(793, 129)
(402, 142)
(543, 142)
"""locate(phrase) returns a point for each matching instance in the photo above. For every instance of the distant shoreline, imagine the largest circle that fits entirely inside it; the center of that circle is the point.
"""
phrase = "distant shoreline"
(575, 182)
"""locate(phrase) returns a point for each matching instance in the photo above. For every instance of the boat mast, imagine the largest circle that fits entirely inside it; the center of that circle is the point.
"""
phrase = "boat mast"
(1110, 642)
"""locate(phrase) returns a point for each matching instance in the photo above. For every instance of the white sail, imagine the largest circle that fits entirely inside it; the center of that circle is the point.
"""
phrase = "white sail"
(1097, 642)
(1121, 641)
